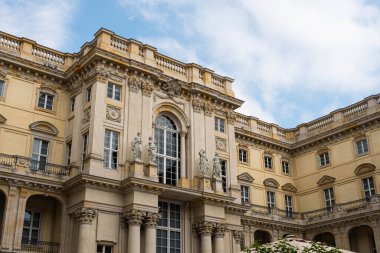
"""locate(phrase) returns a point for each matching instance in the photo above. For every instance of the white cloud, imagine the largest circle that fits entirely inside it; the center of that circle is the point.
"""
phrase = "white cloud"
(278, 51)
(45, 21)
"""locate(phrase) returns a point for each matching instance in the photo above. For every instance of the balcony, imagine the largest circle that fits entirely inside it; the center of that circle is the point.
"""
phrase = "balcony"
(39, 246)
(15, 162)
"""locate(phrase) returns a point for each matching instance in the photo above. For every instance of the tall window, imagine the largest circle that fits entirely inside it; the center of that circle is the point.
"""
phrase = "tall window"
(2, 88)
(289, 206)
(39, 155)
(219, 124)
(72, 104)
(361, 146)
(169, 228)
(45, 101)
(268, 163)
(271, 201)
(168, 150)
(103, 249)
(113, 91)
(111, 149)
(84, 145)
(329, 199)
(68, 153)
(369, 187)
(88, 94)
(324, 159)
(223, 166)
(244, 190)
(31, 229)
(243, 155)
(285, 167)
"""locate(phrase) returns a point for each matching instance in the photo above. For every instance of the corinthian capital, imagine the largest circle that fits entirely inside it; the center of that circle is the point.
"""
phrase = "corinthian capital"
(219, 230)
(134, 217)
(151, 219)
(85, 215)
(205, 228)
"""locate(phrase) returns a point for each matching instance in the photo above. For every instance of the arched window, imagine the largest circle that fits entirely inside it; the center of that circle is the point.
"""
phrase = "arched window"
(168, 150)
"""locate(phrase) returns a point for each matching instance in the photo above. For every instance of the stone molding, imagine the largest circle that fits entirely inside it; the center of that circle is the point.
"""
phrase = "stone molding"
(270, 182)
(221, 144)
(245, 177)
(44, 127)
(289, 187)
(85, 215)
(364, 168)
(325, 180)
(113, 113)
(2, 119)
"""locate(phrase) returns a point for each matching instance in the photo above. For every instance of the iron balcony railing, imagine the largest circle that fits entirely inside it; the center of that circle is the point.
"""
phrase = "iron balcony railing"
(39, 246)
(12, 161)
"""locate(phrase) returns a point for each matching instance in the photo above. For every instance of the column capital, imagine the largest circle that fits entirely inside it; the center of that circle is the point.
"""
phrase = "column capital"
(219, 230)
(205, 228)
(85, 215)
(151, 219)
(238, 235)
(183, 133)
(134, 217)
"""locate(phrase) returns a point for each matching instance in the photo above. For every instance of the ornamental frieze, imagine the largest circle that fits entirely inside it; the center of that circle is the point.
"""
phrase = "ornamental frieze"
(113, 113)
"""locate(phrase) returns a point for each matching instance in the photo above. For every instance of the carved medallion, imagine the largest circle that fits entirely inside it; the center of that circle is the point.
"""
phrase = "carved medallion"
(113, 113)
(221, 144)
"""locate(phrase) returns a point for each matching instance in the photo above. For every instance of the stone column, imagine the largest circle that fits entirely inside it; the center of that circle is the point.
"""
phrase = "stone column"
(134, 219)
(219, 238)
(338, 239)
(238, 235)
(10, 217)
(205, 230)
(20, 219)
(183, 154)
(376, 234)
(345, 239)
(85, 217)
(151, 220)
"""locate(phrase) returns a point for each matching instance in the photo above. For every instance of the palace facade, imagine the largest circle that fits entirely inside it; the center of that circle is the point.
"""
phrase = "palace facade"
(78, 172)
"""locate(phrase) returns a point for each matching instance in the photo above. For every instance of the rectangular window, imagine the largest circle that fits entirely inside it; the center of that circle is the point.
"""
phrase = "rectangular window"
(268, 162)
(219, 124)
(169, 228)
(111, 149)
(289, 206)
(285, 167)
(39, 155)
(31, 228)
(329, 199)
(88, 94)
(2, 88)
(114, 91)
(244, 194)
(84, 145)
(103, 249)
(223, 164)
(362, 146)
(243, 155)
(45, 101)
(68, 153)
(324, 158)
(271, 201)
(369, 187)
(72, 104)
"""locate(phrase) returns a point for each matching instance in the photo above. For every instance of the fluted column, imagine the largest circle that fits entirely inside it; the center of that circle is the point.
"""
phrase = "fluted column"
(85, 217)
(150, 232)
(183, 154)
(134, 219)
(205, 230)
(219, 238)
(238, 235)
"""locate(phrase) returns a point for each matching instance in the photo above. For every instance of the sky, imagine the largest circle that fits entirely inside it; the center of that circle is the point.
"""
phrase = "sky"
(292, 60)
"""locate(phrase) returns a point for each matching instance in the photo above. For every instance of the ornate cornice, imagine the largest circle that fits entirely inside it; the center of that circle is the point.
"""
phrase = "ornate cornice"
(85, 215)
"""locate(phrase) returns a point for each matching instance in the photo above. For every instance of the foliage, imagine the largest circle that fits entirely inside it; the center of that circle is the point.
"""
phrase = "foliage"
(283, 246)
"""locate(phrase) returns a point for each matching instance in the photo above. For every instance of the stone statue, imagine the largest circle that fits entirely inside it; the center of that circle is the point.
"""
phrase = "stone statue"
(151, 150)
(216, 167)
(203, 162)
(136, 147)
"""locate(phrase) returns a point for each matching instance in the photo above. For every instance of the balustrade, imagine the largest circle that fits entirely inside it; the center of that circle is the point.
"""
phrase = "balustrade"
(170, 64)
(121, 45)
(218, 81)
(9, 43)
(47, 55)
(39, 246)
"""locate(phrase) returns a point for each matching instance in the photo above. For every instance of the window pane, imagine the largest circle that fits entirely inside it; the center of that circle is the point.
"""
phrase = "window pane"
(1, 88)
(110, 90)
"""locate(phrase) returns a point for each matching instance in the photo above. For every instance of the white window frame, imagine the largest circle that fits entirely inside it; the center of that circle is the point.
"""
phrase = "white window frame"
(31, 228)
(243, 157)
(168, 227)
(220, 125)
(271, 201)
(2, 88)
(103, 250)
(268, 162)
(244, 190)
(110, 151)
(285, 167)
(69, 146)
(367, 189)
(329, 198)
(361, 146)
(289, 205)
(114, 88)
(85, 141)
(324, 158)
(44, 104)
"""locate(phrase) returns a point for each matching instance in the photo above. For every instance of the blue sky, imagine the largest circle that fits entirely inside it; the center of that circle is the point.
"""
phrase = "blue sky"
(292, 60)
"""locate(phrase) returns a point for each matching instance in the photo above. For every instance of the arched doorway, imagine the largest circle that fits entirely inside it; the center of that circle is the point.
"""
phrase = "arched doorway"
(262, 236)
(42, 224)
(326, 238)
(3, 201)
(362, 239)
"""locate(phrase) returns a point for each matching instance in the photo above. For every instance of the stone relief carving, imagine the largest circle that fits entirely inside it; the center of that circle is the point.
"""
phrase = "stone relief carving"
(86, 115)
(216, 167)
(221, 144)
(136, 147)
(113, 113)
(203, 162)
(270, 182)
(151, 147)
(147, 88)
(209, 109)
(115, 78)
(231, 117)
(172, 87)
(134, 84)
(197, 105)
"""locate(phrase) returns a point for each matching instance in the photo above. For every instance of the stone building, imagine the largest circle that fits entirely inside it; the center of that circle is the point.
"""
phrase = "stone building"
(95, 146)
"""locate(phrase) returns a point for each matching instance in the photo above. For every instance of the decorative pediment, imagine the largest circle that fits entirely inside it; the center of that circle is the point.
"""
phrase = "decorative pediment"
(289, 187)
(2, 119)
(270, 182)
(364, 168)
(245, 177)
(48, 88)
(325, 180)
(44, 127)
